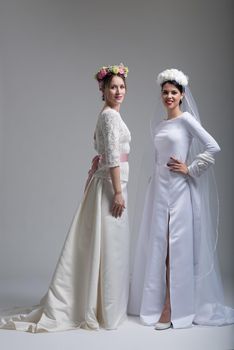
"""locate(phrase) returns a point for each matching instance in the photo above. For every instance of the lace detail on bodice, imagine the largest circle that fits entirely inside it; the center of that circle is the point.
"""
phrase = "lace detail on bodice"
(112, 138)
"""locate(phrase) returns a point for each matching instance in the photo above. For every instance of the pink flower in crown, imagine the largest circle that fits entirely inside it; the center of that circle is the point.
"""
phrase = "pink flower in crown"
(121, 71)
(101, 74)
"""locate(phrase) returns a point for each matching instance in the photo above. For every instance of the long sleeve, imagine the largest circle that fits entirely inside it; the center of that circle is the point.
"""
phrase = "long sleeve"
(205, 159)
(111, 131)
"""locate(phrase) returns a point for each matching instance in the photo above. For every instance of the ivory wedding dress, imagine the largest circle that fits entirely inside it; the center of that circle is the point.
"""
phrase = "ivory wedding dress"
(90, 284)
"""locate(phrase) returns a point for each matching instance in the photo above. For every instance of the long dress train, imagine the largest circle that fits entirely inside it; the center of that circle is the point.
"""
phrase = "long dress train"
(90, 284)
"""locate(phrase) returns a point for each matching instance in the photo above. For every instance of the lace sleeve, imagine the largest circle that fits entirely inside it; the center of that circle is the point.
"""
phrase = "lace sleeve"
(110, 130)
(205, 159)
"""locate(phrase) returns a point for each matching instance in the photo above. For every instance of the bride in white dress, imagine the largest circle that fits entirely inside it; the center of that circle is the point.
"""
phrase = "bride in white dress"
(175, 277)
(90, 284)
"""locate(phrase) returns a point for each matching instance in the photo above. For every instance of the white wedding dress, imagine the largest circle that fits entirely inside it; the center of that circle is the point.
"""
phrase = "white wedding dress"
(171, 212)
(90, 284)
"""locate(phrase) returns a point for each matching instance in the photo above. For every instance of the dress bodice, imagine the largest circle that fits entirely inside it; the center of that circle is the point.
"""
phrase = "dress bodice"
(112, 138)
(173, 137)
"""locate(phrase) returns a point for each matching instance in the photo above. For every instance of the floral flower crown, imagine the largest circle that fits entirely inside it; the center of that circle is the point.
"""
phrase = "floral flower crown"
(110, 70)
(173, 74)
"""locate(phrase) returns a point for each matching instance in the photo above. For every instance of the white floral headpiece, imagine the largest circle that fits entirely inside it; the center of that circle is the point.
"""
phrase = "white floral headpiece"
(173, 74)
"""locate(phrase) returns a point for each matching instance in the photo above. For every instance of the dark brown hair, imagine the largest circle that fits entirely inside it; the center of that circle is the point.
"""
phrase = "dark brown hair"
(177, 85)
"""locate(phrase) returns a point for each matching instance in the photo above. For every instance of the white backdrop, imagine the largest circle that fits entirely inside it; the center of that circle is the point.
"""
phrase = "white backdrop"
(49, 101)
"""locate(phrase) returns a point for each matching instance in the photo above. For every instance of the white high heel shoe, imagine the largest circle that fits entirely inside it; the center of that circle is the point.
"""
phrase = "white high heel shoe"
(162, 326)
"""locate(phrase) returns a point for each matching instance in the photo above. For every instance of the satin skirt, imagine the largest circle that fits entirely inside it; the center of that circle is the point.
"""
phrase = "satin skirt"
(89, 288)
(168, 219)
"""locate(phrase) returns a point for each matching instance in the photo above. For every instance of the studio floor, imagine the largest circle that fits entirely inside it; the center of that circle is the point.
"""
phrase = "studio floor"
(131, 335)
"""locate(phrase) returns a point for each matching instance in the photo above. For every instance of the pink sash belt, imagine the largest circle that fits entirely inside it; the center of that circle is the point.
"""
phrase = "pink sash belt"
(95, 163)
(123, 157)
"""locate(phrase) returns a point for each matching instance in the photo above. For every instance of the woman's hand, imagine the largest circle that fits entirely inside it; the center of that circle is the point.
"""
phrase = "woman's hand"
(118, 205)
(177, 166)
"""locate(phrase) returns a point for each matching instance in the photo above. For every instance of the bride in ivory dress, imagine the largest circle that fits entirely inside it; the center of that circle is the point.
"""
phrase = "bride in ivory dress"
(89, 288)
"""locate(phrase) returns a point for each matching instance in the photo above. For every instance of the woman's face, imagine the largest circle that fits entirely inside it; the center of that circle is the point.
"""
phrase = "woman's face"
(115, 92)
(171, 96)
